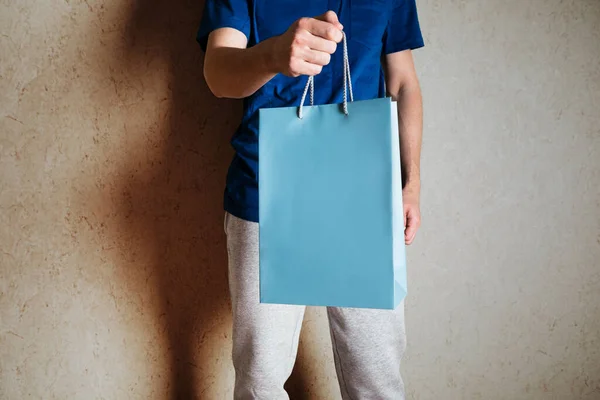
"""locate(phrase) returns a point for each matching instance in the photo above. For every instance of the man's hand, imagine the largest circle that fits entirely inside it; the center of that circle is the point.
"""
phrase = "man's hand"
(412, 213)
(235, 71)
(307, 45)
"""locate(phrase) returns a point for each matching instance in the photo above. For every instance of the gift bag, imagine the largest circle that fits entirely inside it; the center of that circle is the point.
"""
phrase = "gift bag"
(330, 203)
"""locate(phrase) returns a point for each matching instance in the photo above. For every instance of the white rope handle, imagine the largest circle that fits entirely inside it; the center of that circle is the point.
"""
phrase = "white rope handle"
(310, 84)
(347, 77)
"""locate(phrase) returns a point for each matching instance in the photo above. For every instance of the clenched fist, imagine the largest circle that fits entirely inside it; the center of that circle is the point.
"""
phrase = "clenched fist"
(307, 45)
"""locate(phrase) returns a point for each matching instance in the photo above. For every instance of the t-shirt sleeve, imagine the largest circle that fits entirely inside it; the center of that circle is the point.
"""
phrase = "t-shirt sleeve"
(403, 31)
(223, 14)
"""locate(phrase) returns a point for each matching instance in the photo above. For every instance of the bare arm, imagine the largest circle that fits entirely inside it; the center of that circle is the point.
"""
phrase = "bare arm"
(232, 70)
(403, 86)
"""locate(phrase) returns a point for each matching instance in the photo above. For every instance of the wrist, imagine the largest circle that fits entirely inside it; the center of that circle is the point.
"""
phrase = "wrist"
(269, 55)
(412, 184)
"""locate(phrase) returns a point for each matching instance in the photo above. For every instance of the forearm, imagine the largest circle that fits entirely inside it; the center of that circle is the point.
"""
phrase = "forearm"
(403, 86)
(410, 126)
(239, 72)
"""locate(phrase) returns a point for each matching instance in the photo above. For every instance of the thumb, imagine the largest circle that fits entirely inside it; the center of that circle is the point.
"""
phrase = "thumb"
(332, 18)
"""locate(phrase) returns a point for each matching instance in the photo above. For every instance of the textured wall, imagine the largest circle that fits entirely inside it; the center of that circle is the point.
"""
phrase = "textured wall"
(112, 160)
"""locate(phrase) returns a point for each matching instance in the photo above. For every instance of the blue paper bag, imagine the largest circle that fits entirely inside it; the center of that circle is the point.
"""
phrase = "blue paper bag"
(330, 206)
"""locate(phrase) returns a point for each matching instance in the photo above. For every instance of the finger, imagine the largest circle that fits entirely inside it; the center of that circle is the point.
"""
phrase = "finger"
(320, 28)
(310, 69)
(332, 18)
(317, 57)
(411, 227)
(320, 44)
(409, 233)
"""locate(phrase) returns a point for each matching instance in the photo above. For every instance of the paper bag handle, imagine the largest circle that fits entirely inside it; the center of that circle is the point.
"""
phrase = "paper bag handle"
(310, 83)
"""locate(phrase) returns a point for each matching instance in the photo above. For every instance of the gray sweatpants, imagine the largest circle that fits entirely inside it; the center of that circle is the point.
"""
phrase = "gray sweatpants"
(367, 344)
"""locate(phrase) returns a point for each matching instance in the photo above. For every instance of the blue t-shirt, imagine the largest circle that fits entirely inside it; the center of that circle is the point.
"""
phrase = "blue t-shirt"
(373, 28)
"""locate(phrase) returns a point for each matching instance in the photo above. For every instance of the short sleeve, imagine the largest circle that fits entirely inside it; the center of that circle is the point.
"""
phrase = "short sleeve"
(223, 14)
(403, 31)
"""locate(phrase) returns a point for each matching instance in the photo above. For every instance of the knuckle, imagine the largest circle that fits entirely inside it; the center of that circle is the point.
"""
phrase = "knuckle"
(292, 65)
(295, 67)
(294, 51)
(299, 39)
(302, 22)
(329, 15)
(330, 32)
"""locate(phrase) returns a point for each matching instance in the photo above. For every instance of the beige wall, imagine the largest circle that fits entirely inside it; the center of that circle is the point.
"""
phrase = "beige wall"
(112, 160)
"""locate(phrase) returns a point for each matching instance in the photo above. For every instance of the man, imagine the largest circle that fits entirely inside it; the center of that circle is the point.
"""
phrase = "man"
(261, 51)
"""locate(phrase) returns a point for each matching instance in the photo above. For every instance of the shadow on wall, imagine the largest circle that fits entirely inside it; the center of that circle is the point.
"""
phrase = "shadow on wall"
(171, 208)
(175, 208)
